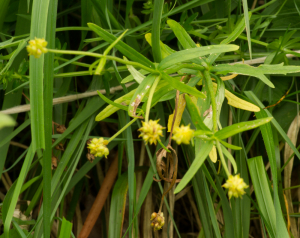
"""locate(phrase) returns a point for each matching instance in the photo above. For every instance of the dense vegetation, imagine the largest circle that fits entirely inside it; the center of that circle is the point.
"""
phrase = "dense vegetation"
(149, 118)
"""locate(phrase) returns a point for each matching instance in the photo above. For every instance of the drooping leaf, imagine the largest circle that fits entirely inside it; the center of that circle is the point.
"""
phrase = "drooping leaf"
(238, 102)
(200, 158)
(240, 127)
(189, 54)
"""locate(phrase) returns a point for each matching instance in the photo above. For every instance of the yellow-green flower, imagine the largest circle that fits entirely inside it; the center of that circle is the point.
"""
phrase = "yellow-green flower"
(235, 186)
(151, 131)
(36, 47)
(183, 134)
(158, 220)
(98, 147)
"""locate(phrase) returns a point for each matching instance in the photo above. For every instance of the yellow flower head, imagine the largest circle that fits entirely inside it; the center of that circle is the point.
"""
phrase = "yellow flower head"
(151, 131)
(158, 220)
(235, 185)
(183, 134)
(98, 147)
(36, 47)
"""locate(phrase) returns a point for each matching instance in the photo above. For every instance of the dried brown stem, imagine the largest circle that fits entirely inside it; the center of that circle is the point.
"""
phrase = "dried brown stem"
(100, 199)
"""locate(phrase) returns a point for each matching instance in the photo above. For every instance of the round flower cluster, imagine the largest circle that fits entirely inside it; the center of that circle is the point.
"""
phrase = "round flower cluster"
(36, 47)
(235, 186)
(98, 147)
(151, 131)
(158, 220)
(183, 134)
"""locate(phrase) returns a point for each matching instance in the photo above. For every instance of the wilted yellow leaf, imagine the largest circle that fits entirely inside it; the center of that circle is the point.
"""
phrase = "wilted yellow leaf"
(229, 77)
(213, 154)
(238, 102)
(180, 109)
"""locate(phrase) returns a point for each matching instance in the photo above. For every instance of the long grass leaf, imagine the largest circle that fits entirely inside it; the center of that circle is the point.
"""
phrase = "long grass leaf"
(155, 36)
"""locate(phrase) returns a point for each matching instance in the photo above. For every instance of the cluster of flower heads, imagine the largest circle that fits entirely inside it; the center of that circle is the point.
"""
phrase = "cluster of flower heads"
(152, 131)
(235, 185)
(36, 47)
(157, 220)
(98, 147)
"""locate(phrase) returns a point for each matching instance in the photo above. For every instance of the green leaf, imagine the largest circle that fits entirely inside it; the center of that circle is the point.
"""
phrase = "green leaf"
(138, 76)
(233, 147)
(194, 112)
(140, 93)
(182, 87)
(121, 46)
(258, 72)
(6, 120)
(189, 54)
(252, 96)
(262, 192)
(36, 67)
(240, 127)
(157, 12)
(199, 160)
(230, 157)
(66, 228)
(10, 202)
(117, 207)
(235, 33)
(105, 99)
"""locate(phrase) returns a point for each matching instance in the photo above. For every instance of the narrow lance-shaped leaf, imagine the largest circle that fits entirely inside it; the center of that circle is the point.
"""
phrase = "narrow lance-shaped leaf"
(182, 87)
(117, 208)
(194, 113)
(136, 75)
(262, 192)
(110, 109)
(200, 158)
(258, 72)
(240, 127)
(121, 46)
(157, 12)
(140, 93)
(188, 54)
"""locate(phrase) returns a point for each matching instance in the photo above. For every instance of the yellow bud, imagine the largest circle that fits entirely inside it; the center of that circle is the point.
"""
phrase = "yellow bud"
(151, 131)
(36, 47)
(235, 186)
(98, 147)
(153, 216)
(183, 134)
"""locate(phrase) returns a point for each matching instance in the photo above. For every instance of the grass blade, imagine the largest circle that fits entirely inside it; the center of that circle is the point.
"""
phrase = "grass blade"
(155, 36)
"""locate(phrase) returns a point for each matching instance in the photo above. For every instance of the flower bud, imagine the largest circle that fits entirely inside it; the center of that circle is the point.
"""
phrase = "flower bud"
(36, 47)
(151, 131)
(235, 186)
(183, 134)
(98, 147)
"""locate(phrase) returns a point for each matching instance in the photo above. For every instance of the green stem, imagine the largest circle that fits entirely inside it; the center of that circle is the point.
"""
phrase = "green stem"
(86, 53)
(222, 158)
(152, 90)
(209, 84)
(163, 146)
(124, 128)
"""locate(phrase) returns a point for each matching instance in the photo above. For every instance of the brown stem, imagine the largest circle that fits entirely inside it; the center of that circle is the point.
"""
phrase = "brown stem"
(100, 199)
